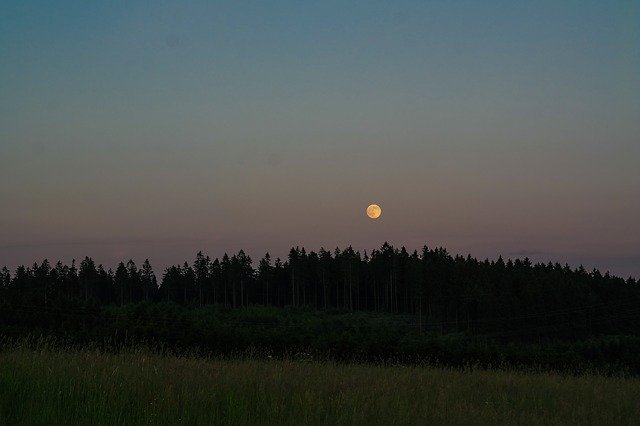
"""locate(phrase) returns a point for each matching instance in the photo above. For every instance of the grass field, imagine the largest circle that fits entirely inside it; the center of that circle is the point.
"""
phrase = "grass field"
(49, 386)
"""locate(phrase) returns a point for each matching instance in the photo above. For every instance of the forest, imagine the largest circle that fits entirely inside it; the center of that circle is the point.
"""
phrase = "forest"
(442, 292)
(389, 303)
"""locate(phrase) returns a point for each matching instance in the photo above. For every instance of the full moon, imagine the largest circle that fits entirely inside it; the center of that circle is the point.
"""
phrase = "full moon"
(374, 211)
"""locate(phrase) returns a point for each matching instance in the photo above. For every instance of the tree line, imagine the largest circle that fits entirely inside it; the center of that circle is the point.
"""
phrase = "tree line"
(442, 292)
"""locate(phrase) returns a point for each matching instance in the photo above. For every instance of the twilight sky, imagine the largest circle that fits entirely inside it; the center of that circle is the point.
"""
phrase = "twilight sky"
(131, 129)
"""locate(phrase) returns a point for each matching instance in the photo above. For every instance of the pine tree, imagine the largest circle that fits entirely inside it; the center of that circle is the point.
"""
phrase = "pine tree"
(73, 283)
(134, 283)
(294, 256)
(88, 277)
(121, 280)
(188, 282)
(326, 262)
(42, 276)
(149, 281)
(5, 281)
(265, 272)
(201, 268)
(226, 277)
(215, 274)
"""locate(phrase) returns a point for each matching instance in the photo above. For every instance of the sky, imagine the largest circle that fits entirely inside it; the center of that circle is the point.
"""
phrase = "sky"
(133, 129)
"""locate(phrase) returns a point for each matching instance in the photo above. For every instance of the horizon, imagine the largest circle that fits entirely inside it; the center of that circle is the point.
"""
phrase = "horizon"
(534, 257)
(136, 131)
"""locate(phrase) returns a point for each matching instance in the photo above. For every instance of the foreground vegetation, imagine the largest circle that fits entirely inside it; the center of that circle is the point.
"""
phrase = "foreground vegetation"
(59, 386)
(338, 335)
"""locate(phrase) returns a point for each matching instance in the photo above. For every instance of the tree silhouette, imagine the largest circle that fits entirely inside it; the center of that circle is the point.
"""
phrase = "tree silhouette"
(88, 277)
(5, 282)
(443, 293)
(121, 281)
(201, 268)
(265, 276)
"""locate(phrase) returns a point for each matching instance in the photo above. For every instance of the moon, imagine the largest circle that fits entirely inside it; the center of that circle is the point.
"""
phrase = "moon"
(374, 211)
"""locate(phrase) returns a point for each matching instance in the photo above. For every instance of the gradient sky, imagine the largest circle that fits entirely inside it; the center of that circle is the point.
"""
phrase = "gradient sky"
(133, 129)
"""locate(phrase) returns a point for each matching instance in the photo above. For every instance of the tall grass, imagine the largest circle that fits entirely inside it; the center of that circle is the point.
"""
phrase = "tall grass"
(87, 387)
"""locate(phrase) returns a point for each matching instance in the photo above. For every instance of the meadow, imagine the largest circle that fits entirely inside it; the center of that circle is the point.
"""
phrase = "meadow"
(49, 385)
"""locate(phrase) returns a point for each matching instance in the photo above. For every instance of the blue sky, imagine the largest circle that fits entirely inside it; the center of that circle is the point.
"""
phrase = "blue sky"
(130, 129)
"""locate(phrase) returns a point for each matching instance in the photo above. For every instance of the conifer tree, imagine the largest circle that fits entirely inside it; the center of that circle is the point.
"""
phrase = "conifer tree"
(201, 269)
(121, 280)
(148, 279)
(265, 272)
(88, 277)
